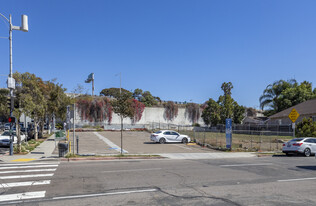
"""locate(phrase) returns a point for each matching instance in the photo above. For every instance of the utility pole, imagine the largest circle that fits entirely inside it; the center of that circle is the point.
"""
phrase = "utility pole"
(121, 116)
(11, 81)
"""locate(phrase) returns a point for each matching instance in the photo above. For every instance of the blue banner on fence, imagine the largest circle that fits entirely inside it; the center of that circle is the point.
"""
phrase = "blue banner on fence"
(228, 133)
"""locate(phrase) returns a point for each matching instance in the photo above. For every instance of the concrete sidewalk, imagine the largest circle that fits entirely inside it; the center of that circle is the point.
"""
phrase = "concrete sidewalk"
(43, 152)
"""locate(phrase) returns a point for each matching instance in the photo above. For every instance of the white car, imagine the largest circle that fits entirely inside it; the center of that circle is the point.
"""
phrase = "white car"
(164, 136)
(304, 145)
(5, 138)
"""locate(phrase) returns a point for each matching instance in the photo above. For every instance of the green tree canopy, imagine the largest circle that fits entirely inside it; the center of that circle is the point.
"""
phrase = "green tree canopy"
(115, 92)
(226, 107)
(4, 110)
(284, 94)
(145, 97)
(306, 128)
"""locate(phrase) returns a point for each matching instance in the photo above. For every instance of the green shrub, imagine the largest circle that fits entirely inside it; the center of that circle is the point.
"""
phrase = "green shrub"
(306, 128)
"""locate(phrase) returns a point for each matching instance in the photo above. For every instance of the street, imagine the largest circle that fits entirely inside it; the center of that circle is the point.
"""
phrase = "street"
(242, 181)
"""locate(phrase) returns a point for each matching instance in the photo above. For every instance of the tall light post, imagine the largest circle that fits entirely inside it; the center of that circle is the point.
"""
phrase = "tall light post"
(11, 81)
(121, 115)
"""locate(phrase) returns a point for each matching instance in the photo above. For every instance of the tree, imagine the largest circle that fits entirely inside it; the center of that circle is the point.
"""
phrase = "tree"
(137, 94)
(31, 98)
(306, 128)
(115, 92)
(4, 110)
(226, 107)
(270, 95)
(148, 99)
(145, 97)
(239, 113)
(211, 115)
(226, 102)
(122, 107)
(284, 94)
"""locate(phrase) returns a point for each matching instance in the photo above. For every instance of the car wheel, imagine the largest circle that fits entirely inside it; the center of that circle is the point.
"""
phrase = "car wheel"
(162, 140)
(307, 152)
(184, 140)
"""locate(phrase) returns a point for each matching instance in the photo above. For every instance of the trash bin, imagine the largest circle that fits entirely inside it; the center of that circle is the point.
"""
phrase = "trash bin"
(62, 149)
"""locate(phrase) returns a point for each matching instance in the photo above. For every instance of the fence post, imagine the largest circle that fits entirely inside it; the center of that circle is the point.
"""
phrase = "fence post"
(77, 137)
(204, 137)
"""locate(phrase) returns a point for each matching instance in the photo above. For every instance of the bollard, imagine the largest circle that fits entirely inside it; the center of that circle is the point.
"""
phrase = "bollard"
(77, 138)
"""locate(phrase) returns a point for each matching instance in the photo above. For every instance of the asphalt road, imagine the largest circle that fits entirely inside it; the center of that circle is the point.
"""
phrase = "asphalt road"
(244, 181)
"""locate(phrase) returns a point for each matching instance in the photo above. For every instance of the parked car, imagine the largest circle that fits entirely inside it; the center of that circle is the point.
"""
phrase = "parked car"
(164, 136)
(7, 126)
(304, 145)
(5, 138)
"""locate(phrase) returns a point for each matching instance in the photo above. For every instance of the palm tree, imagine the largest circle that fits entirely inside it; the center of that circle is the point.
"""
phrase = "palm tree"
(270, 95)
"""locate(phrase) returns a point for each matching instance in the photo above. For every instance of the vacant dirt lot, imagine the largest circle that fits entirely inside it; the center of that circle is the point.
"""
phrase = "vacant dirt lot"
(133, 143)
(139, 143)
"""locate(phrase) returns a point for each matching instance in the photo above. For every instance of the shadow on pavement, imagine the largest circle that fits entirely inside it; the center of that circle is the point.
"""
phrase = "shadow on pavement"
(307, 167)
(150, 142)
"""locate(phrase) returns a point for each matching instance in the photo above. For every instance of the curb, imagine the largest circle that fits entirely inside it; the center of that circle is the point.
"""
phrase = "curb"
(108, 158)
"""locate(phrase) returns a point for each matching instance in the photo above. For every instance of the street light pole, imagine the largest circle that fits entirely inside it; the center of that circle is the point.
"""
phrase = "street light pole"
(11, 82)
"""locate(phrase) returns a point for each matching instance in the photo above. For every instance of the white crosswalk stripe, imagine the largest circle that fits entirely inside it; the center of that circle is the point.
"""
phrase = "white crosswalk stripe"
(11, 176)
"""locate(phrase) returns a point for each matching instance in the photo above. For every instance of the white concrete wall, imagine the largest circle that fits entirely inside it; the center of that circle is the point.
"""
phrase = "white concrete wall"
(150, 115)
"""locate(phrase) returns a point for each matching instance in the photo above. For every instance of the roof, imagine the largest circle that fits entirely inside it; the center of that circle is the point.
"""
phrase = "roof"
(305, 108)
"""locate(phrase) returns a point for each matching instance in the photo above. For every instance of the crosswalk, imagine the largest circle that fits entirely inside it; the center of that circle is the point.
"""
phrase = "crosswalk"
(22, 181)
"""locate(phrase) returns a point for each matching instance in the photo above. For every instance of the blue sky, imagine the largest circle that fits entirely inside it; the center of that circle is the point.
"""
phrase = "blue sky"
(177, 49)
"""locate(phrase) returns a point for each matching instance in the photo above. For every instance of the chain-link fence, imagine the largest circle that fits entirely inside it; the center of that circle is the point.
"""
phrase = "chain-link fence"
(244, 137)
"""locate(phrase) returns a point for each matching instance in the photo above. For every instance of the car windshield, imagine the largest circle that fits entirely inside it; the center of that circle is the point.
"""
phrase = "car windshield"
(7, 133)
(158, 132)
(296, 140)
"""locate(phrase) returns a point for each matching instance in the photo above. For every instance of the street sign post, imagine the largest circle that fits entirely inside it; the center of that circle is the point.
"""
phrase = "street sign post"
(229, 133)
(293, 117)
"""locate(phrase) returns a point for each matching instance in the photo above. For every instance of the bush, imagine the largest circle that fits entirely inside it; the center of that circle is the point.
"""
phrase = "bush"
(196, 125)
(306, 128)
(59, 126)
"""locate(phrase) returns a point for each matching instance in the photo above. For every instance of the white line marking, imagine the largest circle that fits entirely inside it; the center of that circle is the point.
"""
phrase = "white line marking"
(20, 171)
(111, 144)
(22, 196)
(25, 176)
(301, 179)
(135, 170)
(243, 165)
(21, 184)
(23, 167)
(183, 147)
(15, 164)
(103, 194)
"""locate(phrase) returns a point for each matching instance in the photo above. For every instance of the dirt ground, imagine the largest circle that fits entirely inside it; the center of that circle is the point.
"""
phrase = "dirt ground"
(133, 143)
(139, 143)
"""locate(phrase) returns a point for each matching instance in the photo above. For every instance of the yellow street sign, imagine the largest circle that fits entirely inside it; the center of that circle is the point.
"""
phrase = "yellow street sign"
(294, 115)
